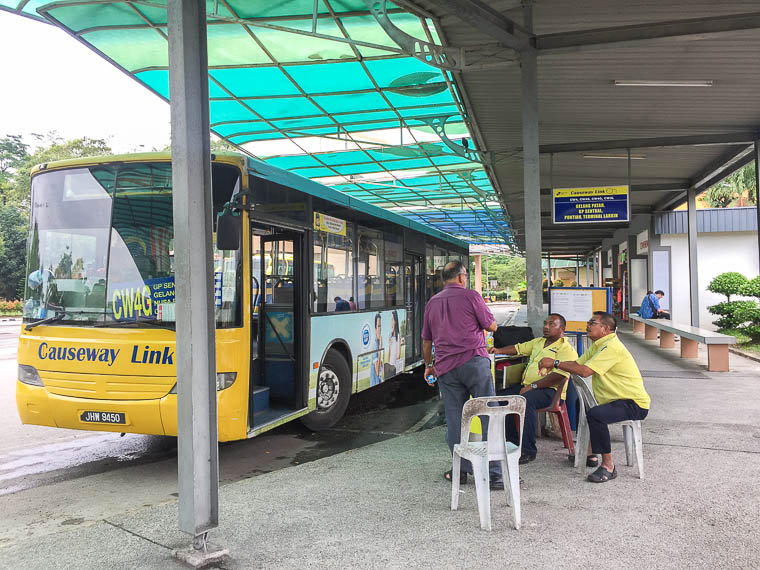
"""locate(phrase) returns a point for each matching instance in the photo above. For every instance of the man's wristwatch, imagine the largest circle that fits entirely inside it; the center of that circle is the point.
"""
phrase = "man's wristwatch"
(556, 364)
(534, 386)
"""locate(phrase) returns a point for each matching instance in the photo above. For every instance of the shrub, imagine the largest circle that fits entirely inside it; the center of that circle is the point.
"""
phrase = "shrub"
(10, 307)
(752, 331)
(741, 316)
(523, 294)
(558, 283)
(751, 288)
(730, 283)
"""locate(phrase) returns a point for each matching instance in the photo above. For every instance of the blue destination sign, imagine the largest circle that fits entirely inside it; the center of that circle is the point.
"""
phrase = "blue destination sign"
(590, 205)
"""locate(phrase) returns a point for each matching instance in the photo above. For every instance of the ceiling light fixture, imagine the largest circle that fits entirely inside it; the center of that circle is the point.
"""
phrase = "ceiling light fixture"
(620, 156)
(662, 83)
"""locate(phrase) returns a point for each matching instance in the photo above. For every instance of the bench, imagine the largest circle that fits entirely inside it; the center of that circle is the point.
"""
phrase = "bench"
(717, 343)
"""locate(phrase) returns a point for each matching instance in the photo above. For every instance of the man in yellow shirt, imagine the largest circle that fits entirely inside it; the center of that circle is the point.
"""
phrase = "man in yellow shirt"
(617, 385)
(538, 389)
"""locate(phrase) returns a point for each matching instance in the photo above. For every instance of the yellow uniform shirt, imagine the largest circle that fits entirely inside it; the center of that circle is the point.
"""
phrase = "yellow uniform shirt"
(616, 376)
(535, 350)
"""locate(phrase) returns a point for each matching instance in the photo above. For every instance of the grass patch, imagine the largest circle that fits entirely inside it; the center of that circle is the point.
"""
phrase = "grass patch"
(742, 340)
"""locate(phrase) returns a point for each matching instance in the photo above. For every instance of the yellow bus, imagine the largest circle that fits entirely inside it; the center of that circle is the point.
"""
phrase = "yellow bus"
(323, 297)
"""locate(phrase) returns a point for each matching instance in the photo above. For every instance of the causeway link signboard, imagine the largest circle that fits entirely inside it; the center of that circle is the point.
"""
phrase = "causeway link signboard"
(590, 205)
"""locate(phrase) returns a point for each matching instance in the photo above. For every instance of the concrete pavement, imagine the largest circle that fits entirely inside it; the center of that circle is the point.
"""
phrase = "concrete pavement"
(386, 505)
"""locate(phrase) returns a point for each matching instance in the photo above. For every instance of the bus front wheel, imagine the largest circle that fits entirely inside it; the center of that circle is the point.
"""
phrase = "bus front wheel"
(333, 393)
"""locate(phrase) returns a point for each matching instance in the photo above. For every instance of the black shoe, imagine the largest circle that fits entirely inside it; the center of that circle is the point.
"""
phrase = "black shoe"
(525, 458)
(497, 484)
(601, 475)
(462, 477)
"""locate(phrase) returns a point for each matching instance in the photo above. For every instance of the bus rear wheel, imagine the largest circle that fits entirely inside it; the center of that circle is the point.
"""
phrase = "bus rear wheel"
(333, 393)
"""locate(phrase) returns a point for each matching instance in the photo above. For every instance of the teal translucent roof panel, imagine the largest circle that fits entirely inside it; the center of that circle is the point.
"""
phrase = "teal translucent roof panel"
(312, 77)
(292, 162)
(304, 123)
(350, 157)
(243, 139)
(314, 172)
(228, 129)
(365, 117)
(283, 107)
(229, 111)
(255, 81)
(351, 101)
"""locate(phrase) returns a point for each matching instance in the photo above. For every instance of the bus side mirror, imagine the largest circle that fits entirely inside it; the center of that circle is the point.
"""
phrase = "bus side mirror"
(228, 230)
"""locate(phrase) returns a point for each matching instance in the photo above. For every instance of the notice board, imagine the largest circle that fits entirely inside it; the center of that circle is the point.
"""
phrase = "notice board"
(577, 304)
(590, 205)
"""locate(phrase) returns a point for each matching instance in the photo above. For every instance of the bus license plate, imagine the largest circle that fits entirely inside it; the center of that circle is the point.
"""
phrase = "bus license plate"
(104, 417)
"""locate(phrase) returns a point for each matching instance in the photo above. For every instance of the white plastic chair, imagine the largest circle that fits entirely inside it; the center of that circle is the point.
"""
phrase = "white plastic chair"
(496, 448)
(631, 431)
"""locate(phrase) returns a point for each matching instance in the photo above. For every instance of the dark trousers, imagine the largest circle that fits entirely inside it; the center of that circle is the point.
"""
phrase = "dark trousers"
(599, 417)
(534, 400)
(473, 378)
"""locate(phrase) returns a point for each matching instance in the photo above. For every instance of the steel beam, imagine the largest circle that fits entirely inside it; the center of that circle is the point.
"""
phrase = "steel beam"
(693, 262)
(197, 457)
(649, 31)
(740, 137)
(680, 186)
(490, 22)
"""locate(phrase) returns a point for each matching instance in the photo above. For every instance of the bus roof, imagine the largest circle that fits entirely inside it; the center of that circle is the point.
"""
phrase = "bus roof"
(266, 171)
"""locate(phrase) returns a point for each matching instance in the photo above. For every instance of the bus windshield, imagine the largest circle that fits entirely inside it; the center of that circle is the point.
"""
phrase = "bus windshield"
(101, 249)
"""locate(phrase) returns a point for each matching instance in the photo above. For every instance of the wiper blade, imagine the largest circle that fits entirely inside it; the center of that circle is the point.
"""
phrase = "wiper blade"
(121, 324)
(54, 318)
(59, 316)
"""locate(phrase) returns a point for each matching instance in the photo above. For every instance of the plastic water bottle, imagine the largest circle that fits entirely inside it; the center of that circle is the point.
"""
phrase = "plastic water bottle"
(430, 379)
(489, 339)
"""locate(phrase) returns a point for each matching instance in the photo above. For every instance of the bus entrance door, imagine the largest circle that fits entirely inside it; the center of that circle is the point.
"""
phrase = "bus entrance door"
(277, 392)
(414, 281)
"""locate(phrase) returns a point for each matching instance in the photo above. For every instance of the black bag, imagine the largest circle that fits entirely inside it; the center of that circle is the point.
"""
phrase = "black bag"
(507, 336)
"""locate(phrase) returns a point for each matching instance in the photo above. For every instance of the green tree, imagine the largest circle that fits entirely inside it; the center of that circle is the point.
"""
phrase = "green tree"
(13, 153)
(727, 191)
(508, 271)
(51, 148)
(16, 164)
(13, 230)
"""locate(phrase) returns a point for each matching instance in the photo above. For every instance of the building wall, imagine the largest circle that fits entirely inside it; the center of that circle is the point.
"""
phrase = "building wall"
(716, 254)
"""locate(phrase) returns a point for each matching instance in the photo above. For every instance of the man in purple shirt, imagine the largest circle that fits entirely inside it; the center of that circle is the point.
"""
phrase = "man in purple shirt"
(454, 323)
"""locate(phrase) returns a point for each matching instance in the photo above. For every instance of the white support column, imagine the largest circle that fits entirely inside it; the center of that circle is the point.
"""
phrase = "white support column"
(588, 279)
(693, 269)
(531, 180)
(478, 276)
(197, 458)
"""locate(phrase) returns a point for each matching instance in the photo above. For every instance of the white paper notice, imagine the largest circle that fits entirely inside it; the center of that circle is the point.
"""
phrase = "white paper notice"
(573, 304)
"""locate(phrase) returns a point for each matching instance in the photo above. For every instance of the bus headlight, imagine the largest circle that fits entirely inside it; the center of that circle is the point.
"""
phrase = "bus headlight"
(223, 380)
(28, 375)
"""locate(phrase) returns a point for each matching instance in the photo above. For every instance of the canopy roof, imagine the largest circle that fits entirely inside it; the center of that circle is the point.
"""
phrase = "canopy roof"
(336, 95)
(326, 95)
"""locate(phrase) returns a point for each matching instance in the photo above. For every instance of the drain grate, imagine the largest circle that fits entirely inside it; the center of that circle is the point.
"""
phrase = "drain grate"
(673, 374)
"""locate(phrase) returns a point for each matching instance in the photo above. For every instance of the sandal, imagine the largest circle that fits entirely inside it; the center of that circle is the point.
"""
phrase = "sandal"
(601, 475)
(462, 477)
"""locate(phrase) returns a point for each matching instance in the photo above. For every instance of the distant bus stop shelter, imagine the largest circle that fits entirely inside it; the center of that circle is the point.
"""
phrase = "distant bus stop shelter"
(456, 113)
